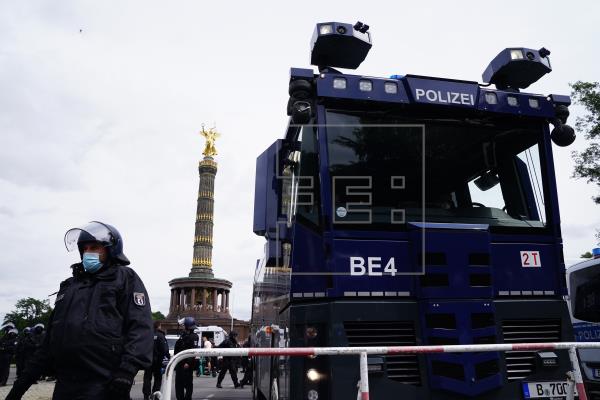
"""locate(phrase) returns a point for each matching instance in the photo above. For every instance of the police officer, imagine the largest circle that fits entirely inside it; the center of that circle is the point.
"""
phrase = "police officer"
(100, 331)
(7, 327)
(184, 372)
(229, 363)
(20, 356)
(8, 345)
(29, 348)
(39, 332)
(160, 359)
(247, 365)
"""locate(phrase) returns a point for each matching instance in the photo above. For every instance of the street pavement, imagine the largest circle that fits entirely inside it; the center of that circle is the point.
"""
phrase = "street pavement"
(204, 389)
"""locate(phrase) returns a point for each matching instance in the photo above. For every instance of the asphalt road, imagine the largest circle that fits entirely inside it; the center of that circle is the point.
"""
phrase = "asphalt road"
(204, 389)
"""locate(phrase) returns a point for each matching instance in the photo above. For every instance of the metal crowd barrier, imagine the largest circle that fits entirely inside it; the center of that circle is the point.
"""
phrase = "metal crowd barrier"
(573, 377)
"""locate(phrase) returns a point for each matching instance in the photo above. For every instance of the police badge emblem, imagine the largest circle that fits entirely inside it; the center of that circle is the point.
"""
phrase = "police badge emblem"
(139, 299)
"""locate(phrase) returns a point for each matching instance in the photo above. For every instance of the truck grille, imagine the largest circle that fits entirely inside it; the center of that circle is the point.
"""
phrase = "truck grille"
(401, 368)
(520, 364)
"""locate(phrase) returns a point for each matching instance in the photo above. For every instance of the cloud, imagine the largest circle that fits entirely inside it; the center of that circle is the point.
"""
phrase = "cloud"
(6, 211)
(102, 124)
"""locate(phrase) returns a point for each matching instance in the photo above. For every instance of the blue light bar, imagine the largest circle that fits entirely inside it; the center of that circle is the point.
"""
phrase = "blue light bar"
(435, 92)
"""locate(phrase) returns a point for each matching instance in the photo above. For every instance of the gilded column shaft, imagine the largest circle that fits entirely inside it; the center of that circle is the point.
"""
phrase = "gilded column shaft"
(203, 238)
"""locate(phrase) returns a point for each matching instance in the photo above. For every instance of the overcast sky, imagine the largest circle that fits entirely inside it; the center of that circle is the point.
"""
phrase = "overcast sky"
(101, 103)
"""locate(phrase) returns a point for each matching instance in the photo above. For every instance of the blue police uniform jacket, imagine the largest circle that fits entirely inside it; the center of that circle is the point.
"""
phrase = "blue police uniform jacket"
(101, 324)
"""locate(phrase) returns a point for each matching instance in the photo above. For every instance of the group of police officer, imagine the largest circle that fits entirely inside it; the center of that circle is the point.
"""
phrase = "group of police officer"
(184, 372)
(20, 347)
(100, 332)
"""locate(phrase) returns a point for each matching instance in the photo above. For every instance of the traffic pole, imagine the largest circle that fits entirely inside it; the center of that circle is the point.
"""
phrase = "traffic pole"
(577, 373)
(364, 377)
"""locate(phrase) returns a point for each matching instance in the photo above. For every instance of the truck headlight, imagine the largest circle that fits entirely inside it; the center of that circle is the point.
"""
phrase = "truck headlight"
(313, 375)
(311, 332)
(512, 101)
(339, 83)
(391, 87)
(327, 29)
(516, 54)
(490, 98)
(365, 85)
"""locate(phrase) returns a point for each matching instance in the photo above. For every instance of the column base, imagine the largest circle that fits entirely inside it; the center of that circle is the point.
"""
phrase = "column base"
(201, 272)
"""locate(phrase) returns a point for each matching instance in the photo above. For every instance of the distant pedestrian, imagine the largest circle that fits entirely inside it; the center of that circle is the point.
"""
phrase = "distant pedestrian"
(100, 331)
(8, 345)
(160, 358)
(184, 372)
(207, 360)
(229, 363)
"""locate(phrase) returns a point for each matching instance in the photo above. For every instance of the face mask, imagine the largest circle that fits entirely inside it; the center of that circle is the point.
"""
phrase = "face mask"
(91, 262)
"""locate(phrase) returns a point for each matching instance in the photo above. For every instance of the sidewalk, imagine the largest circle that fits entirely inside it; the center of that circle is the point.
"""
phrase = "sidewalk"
(41, 391)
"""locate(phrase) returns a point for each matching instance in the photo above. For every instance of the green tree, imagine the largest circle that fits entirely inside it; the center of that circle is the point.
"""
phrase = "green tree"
(587, 162)
(29, 312)
(587, 254)
(157, 316)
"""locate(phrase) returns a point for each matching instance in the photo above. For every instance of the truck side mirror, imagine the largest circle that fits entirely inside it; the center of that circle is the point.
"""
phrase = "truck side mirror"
(487, 181)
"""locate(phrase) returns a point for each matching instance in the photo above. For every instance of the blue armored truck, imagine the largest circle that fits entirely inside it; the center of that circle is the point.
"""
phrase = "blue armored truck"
(411, 210)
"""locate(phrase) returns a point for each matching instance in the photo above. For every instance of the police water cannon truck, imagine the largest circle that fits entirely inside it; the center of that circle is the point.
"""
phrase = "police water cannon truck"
(411, 210)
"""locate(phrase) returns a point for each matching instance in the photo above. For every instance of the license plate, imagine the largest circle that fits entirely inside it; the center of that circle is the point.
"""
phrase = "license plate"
(597, 373)
(540, 390)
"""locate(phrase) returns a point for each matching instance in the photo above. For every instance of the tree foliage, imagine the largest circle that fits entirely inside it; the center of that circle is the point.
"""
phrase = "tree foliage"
(587, 162)
(28, 312)
(157, 316)
(587, 254)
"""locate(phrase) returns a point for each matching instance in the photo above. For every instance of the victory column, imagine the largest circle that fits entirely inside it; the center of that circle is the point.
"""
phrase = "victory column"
(200, 294)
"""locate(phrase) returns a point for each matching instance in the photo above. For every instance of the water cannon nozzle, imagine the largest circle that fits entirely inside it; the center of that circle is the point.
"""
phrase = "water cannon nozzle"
(544, 52)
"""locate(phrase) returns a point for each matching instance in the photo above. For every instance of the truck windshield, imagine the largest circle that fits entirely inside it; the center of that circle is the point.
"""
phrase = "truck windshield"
(391, 171)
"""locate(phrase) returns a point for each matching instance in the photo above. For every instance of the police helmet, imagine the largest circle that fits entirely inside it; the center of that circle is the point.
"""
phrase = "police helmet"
(7, 326)
(39, 328)
(96, 231)
(189, 322)
(27, 329)
(13, 331)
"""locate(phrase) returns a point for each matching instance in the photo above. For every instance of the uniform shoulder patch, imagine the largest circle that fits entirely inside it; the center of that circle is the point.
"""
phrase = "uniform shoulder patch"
(139, 299)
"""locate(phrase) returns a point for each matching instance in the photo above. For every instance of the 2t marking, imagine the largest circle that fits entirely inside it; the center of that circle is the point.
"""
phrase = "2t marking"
(531, 259)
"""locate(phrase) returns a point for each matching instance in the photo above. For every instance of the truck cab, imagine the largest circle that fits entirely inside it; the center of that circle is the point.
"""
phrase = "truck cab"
(411, 210)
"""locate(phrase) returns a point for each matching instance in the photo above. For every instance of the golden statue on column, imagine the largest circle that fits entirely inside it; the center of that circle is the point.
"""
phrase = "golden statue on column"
(210, 135)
